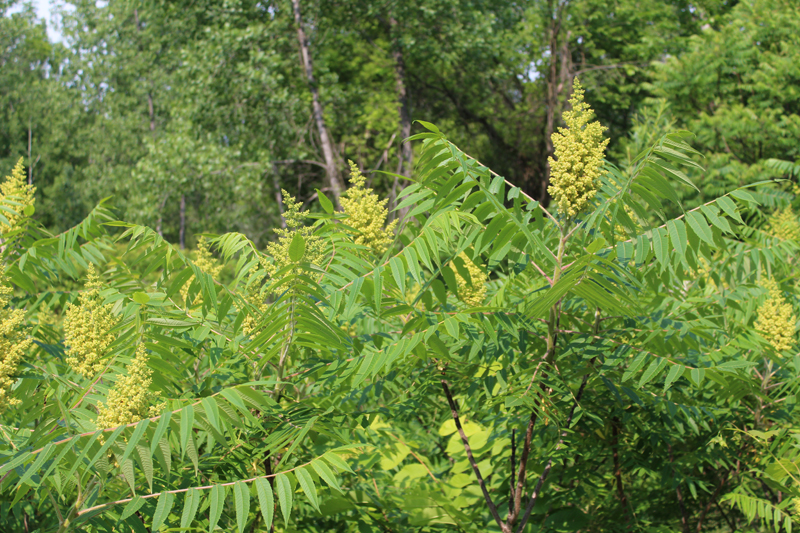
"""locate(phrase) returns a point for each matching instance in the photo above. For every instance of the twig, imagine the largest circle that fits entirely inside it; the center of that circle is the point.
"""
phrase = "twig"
(623, 500)
(684, 516)
(465, 441)
(549, 464)
(516, 504)
(204, 487)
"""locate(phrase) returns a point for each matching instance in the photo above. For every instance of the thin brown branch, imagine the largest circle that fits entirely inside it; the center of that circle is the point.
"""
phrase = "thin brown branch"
(472, 462)
(615, 423)
(516, 505)
(684, 515)
(549, 464)
(711, 501)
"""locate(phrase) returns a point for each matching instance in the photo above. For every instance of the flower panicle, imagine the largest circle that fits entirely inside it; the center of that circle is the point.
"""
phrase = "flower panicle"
(14, 343)
(206, 262)
(473, 291)
(130, 399)
(783, 224)
(776, 319)
(16, 189)
(87, 328)
(367, 214)
(295, 223)
(579, 149)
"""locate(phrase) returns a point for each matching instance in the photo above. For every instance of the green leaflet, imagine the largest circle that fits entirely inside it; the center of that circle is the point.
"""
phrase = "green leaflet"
(241, 498)
(163, 509)
(215, 506)
(307, 484)
(190, 503)
(674, 373)
(187, 421)
(677, 233)
(297, 248)
(161, 428)
(131, 507)
(325, 473)
(699, 226)
(284, 489)
(141, 427)
(265, 500)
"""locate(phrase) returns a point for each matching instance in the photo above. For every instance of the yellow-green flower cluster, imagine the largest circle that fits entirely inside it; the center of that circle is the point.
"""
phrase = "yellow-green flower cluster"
(579, 149)
(471, 292)
(256, 299)
(776, 319)
(129, 400)
(367, 214)
(783, 224)
(13, 344)
(295, 223)
(16, 189)
(86, 329)
(206, 263)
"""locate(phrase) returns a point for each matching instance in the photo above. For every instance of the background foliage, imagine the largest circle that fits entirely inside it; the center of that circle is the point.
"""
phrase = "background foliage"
(446, 351)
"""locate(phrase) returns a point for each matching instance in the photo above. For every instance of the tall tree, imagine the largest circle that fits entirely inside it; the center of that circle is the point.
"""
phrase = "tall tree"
(331, 167)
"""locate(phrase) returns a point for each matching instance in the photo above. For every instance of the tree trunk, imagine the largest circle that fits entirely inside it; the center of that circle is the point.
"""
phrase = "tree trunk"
(405, 163)
(150, 108)
(550, 103)
(161, 215)
(152, 113)
(334, 181)
(182, 234)
(30, 160)
(557, 80)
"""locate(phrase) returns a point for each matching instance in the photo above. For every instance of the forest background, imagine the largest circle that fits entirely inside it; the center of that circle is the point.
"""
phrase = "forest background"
(399, 333)
(194, 115)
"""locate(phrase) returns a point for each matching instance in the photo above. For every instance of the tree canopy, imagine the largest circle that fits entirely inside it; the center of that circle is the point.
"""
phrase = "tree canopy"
(407, 266)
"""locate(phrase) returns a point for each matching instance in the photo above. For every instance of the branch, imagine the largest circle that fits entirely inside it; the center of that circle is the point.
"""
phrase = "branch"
(684, 516)
(711, 501)
(623, 499)
(486, 496)
(549, 464)
(516, 504)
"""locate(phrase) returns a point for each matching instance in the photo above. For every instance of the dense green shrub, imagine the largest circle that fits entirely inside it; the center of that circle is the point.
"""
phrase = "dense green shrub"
(493, 366)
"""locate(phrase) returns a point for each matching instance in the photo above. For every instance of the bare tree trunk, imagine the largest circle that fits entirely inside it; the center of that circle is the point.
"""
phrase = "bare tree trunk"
(150, 107)
(152, 113)
(182, 234)
(405, 163)
(161, 215)
(30, 160)
(550, 102)
(406, 155)
(334, 181)
(556, 81)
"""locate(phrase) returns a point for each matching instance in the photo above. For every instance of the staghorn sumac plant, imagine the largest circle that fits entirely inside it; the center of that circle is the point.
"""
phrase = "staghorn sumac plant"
(494, 365)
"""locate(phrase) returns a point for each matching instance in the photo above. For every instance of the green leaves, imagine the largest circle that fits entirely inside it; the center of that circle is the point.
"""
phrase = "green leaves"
(215, 506)
(677, 234)
(163, 508)
(297, 248)
(265, 501)
(326, 204)
(284, 489)
(286, 365)
(307, 484)
(190, 502)
(241, 496)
